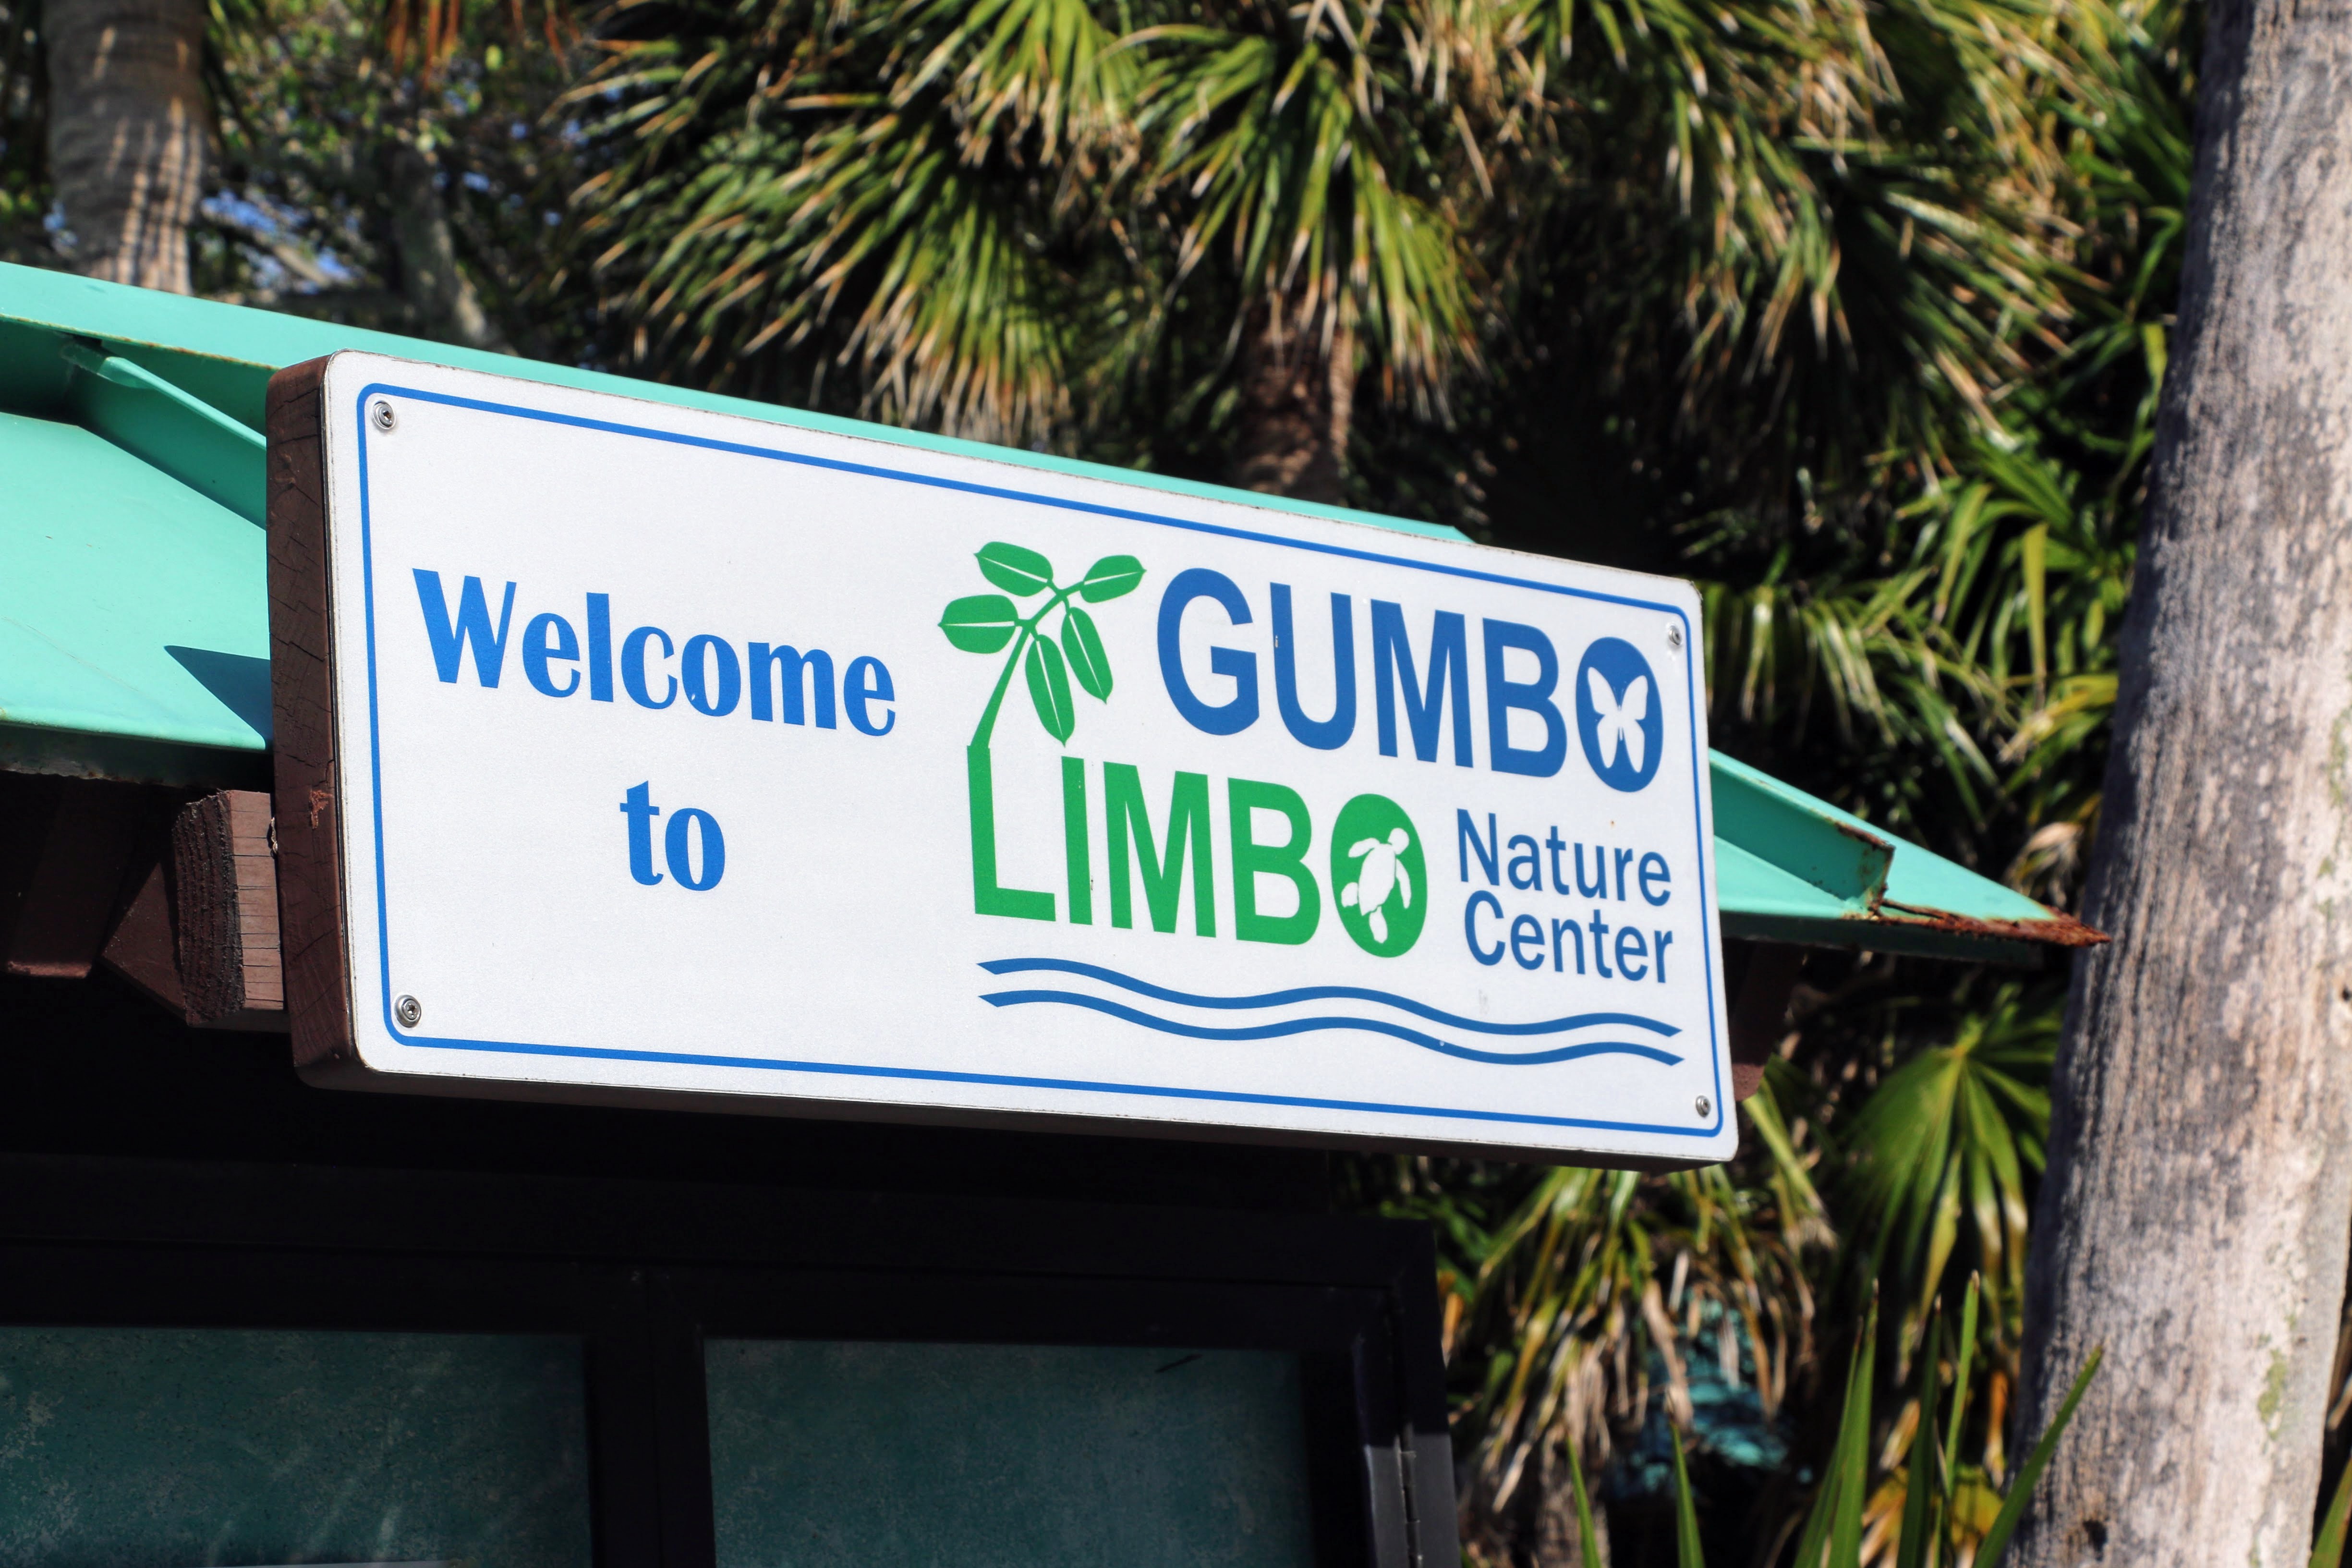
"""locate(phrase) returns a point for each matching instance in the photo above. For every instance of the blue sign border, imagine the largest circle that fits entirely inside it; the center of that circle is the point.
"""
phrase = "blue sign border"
(1082, 1086)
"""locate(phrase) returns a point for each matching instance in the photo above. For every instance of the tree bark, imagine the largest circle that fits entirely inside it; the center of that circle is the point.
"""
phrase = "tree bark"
(1298, 404)
(2194, 1217)
(130, 134)
(434, 286)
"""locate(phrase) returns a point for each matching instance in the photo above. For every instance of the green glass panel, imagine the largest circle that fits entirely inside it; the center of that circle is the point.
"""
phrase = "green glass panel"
(827, 1453)
(182, 1449)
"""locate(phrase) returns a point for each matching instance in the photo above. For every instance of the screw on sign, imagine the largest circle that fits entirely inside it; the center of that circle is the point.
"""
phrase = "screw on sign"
(383, 416)
(408, 1010)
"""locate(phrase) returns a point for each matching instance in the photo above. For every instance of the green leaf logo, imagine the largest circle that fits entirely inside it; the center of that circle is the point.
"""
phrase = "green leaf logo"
(1016, 571)
(1111, 577)
(1049, 690)
(1083, 646)
(981, 624)
(988, 622)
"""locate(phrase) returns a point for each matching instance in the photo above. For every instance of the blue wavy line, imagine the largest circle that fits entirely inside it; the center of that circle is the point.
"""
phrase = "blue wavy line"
(1325, 994)
(1309, 1025)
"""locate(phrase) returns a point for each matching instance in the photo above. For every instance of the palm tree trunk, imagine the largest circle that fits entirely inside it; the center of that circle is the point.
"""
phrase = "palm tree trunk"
(1297, 405)
(130, 135)
(2193, 1219)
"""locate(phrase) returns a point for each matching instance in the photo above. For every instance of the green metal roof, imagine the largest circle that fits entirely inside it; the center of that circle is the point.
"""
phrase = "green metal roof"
(132, 609)
(134, 634)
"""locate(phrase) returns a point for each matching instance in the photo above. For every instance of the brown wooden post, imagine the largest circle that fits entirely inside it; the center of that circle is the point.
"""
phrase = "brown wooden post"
(310, 880)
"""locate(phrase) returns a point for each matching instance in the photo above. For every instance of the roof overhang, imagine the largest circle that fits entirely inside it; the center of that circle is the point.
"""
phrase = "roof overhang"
(134, 637)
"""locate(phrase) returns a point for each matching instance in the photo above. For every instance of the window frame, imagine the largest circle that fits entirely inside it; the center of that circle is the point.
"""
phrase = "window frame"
(642, 1272)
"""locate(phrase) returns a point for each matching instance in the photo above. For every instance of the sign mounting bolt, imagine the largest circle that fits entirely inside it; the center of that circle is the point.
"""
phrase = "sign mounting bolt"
(1705, 1106)
(383, 418)
(408, 1010)
(1674, 634)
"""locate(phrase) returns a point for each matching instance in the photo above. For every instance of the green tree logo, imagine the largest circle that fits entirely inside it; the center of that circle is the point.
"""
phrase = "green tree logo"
(985, 622)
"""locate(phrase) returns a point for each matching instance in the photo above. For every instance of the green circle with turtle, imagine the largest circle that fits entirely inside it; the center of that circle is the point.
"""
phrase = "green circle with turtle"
(1376, 866)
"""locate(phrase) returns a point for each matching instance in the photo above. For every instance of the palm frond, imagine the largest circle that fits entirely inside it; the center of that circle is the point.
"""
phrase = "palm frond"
(1313, 160)
(888, 200)
(1597, 1271)
(1940, 1160)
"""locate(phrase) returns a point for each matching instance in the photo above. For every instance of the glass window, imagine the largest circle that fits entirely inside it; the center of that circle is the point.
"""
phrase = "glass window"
(1024, 1456)
(185, 1448)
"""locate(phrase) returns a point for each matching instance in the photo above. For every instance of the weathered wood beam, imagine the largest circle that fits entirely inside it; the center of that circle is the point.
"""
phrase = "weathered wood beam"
(224, 894)
(143, 949)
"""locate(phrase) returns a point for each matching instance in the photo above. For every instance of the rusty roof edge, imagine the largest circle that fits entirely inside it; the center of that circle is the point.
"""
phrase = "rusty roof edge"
(1873, 895)
(2059, 930)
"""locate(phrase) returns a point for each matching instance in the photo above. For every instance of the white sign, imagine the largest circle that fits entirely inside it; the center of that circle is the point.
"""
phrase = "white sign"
(684, 753)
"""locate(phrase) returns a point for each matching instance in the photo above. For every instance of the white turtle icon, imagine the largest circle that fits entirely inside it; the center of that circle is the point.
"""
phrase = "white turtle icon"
(1382, 873)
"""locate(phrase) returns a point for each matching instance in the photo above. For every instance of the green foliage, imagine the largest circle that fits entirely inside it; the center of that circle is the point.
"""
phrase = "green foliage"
(24, 128)
(789, 186)
(1308, 152)
(2328, 1547)
(1833, 1534)
(1688, 1552)
(1587, 1275)
(1938, 1160)
(322, 106)
(1961, 651)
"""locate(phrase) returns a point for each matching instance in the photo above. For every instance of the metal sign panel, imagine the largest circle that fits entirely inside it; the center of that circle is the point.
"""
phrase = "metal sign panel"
(673, 753)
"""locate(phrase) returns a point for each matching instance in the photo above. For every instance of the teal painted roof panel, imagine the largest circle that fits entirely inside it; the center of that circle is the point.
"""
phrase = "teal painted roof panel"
(1795, 868)
(130, 605)
(1913, 879)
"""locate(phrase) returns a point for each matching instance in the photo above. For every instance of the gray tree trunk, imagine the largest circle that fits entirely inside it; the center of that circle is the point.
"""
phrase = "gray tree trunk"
(2193, 1219)
(434, 286)
(130, 133)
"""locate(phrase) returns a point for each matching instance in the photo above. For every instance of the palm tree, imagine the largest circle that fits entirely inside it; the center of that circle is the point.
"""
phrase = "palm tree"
(896, 191)
(975, 208)
(139, 95)
(1312, 154)
(129, 132)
